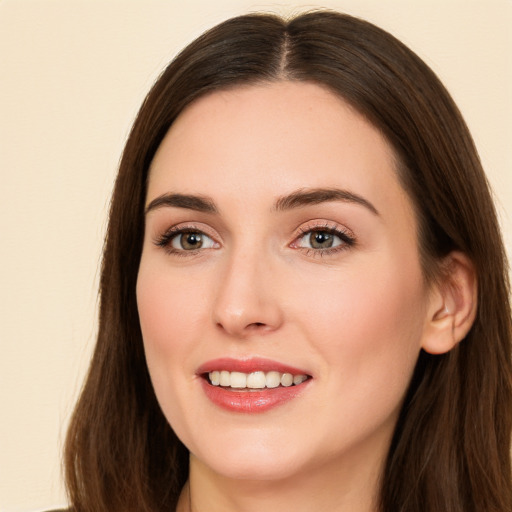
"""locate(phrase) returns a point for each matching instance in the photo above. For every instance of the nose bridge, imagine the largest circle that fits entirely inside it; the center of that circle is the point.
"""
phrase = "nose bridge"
(246, 299)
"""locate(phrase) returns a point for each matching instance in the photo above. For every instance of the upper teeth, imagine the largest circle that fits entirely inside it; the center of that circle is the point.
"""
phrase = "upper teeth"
(256, 380)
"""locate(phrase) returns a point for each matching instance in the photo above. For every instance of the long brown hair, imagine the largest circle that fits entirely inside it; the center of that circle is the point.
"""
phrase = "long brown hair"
(450, 450)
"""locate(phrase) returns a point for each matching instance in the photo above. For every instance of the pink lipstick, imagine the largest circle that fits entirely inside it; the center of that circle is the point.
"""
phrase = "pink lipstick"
(251, 385)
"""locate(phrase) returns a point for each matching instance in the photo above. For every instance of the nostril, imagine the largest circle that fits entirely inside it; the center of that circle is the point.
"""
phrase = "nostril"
(256, 325)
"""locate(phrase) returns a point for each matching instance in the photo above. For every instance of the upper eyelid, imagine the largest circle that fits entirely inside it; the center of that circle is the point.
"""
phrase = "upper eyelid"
(191, 226)
(319, 224)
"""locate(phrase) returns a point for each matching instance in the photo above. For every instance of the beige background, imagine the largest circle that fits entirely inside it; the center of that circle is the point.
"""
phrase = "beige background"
(72, 75)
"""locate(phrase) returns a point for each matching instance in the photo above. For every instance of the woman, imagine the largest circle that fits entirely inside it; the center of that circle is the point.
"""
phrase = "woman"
(304, 299)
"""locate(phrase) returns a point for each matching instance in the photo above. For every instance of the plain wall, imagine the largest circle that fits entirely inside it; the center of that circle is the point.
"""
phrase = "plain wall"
(72, 76)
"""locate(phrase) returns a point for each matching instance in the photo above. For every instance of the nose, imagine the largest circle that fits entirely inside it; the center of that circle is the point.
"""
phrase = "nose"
(247, 300)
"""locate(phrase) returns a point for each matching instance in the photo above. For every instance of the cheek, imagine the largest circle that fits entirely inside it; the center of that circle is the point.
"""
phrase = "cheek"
(169, 315)
(155, 305)
(368, 324)
(367, 329)
(168, 306)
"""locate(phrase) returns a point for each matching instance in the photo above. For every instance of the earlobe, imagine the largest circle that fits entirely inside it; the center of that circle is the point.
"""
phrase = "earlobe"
(452, 305)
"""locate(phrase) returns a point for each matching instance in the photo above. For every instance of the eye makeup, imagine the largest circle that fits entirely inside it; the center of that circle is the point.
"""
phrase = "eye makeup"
(323, 238)
(315, 238)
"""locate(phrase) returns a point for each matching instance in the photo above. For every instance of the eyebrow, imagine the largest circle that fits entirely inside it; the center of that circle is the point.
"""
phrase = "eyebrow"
(306, 197)
(187, 201)
(298, 199)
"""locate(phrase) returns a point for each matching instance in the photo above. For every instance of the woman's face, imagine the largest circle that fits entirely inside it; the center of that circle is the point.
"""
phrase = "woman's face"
(279, 246)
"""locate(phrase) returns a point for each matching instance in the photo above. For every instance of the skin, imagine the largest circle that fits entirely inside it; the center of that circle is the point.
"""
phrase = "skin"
(355, 318)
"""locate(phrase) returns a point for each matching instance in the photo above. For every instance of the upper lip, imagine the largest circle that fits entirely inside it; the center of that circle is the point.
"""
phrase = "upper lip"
(254, 364)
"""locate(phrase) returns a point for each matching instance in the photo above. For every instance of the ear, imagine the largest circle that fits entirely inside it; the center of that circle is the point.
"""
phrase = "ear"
(452, 304)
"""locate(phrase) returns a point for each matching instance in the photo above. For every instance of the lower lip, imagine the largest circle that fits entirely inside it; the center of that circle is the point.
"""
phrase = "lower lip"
(252, 401)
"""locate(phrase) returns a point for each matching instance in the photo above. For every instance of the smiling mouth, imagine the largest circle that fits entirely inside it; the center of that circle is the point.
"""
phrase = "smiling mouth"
(255, 380)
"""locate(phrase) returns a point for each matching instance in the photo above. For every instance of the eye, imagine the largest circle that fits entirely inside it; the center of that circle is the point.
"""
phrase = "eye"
(324, 239)
(183, 240)
(320, 240)
(191, 240)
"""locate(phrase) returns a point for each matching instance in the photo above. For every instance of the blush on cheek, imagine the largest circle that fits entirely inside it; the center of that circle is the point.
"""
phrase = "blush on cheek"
(166, 314)
(156, 315)
(374, 319)
(149, 305)
(160, 337)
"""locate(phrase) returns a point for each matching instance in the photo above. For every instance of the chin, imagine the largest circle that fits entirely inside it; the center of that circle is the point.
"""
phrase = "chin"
(243, 468)
(250, 458)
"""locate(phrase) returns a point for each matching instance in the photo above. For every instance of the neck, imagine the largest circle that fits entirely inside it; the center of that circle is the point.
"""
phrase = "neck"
(351, 486)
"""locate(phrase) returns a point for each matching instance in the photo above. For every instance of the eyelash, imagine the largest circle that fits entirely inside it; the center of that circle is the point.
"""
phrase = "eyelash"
(347, 238)
(166, 239)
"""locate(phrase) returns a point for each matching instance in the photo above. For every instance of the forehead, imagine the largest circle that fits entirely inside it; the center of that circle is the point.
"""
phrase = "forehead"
(266, 140)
